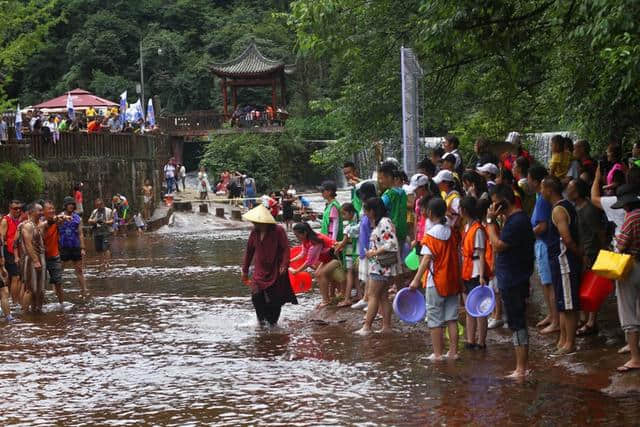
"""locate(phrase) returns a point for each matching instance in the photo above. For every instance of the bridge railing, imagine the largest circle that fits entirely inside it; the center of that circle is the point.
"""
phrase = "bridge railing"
(76, 145)
(192, 121)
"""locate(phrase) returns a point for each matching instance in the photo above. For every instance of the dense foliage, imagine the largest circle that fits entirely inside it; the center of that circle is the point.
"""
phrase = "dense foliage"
(273, 160)
(50, 46)
(24, 182)
(490, 66)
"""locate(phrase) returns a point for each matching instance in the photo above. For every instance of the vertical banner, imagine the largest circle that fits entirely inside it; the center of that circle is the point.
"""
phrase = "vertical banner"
(411, 73)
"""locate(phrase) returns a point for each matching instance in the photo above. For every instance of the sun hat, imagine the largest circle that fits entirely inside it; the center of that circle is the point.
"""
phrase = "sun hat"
(626, 194)
(488, 168)
(417, 180)
(259, 215)
(444, 175)
(68, 201)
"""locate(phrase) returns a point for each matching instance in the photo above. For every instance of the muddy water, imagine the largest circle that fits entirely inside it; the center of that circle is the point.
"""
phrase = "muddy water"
(170, 338)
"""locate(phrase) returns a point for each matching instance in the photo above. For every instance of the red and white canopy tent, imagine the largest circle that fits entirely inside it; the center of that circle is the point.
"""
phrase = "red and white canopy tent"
(82, 100)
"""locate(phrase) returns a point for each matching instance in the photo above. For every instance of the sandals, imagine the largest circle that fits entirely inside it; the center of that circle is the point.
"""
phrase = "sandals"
(587, 330)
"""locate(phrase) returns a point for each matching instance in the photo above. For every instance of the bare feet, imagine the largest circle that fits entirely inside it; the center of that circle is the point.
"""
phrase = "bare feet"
(550, 329)
(363, 332)
(386, 331)
(434, 358)
(629, 366)
(452, 356)
(345, 303)
(517, 374)
(624, 349)
(322, 305)
(544, 322)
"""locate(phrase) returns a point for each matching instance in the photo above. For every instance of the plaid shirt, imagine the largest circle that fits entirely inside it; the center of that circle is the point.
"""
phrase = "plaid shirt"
(629, 237)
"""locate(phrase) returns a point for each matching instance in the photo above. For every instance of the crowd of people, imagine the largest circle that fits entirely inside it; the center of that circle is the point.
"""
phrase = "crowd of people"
(491, 223)
(92, 120)
(37, 243)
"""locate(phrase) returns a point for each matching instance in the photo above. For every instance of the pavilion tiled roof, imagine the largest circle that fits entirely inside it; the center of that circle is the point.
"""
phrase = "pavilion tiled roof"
(250, 63)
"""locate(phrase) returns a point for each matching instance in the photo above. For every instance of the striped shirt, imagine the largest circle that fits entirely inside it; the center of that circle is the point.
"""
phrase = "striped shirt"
(629, 237)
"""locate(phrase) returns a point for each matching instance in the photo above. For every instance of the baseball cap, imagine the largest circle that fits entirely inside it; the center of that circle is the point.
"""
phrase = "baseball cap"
(417, 180)
(444, 175)
(488, 168)
(450, 158)
(626, 195)
(513, 138)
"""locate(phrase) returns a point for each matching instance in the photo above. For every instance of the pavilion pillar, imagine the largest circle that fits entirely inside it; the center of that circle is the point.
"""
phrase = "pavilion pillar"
(283, 91)
(273, 94)
(223, 83)
(234, 97)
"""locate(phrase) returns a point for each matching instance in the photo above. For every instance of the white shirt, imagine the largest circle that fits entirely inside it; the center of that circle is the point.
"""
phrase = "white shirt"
(614, 215)
(183, 171)
(478, 251)
(440, 232)
(138, 220)
(458, 158)
(169, 171)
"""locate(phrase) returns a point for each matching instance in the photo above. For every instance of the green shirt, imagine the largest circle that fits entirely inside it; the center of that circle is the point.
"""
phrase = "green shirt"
(326, 219)
(395, 200)
(355, 200)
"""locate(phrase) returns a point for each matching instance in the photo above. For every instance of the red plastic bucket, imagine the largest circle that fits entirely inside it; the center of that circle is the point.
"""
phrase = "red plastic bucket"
(593, 291)
(294, 252)
(300, 282)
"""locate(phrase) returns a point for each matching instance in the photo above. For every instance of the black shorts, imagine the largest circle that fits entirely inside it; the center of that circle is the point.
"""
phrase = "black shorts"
(515, 305)
(70, 254)
(101, 243)
(54, 267)
(9, 263)
(470, 284)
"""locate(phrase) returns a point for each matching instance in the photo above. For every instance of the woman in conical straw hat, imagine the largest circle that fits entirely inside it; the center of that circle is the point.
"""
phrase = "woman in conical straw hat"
(268, 249)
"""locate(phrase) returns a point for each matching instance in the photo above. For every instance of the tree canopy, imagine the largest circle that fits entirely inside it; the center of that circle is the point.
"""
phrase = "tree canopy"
(490, 66)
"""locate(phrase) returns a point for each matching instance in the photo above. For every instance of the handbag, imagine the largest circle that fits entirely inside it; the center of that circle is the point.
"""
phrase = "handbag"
(387, 259)
(612, 265)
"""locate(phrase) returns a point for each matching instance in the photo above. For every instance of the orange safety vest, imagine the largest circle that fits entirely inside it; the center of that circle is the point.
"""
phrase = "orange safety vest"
(446, 264)
(468, 243)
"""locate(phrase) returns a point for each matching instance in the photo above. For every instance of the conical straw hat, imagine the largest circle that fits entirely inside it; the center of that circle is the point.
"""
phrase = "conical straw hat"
(260, 215)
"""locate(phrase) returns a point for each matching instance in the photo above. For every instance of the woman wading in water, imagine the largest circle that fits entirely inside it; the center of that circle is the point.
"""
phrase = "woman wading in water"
(268, 249)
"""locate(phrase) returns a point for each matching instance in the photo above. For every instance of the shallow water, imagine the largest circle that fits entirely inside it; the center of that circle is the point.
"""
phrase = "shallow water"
(169, 338)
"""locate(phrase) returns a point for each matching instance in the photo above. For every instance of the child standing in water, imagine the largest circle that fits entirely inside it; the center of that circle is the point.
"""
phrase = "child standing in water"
(350, 246)
(475, 270)
(440, 261)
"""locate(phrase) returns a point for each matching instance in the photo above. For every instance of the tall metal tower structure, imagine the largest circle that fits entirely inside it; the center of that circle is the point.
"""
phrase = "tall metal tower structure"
(411, 75)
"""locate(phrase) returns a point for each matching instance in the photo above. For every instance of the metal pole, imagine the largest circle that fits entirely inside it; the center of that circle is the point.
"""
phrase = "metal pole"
(142, 82)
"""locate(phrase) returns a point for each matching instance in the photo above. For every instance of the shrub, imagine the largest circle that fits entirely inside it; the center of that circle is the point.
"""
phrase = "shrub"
(25, 182)
(10, 178)
(31, 184)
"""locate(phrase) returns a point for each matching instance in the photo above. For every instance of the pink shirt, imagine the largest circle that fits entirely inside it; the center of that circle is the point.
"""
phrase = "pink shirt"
(333, 223)
(420, 221)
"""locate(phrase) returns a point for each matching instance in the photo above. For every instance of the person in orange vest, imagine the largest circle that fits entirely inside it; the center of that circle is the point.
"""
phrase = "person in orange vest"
(441, 263)
(476, 267)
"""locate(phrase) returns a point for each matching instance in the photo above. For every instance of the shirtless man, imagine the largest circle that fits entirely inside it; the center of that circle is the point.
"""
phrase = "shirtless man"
(147, 192)
(33, 262)
(8, 228)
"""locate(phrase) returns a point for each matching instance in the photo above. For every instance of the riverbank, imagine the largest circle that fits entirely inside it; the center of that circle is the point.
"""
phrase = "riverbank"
(592, 366)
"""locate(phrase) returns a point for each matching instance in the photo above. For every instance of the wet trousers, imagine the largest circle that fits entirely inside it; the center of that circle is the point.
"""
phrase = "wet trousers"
(266, 311)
